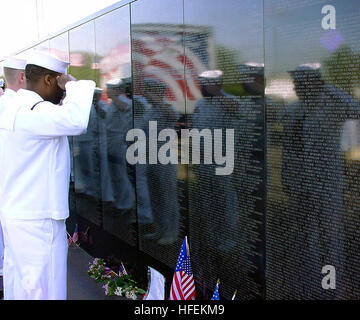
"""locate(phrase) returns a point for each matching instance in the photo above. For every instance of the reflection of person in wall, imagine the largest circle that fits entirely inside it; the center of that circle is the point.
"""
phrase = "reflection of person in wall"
(118, 122)
(99, 134)
(249, 163)
(313, 177)
(144, 214)
(86, 155)
(162, 178)
(217, 198)
(251, 113)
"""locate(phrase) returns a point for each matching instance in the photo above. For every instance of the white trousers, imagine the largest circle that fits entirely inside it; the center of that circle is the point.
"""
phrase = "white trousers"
(35, 259)
(1, 251)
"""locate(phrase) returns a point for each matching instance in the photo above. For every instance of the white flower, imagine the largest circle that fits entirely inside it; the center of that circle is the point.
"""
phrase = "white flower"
(118, 291)
(131, 295)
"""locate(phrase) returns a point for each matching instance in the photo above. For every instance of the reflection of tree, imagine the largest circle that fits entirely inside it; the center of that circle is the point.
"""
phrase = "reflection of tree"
(342, 69)
(86, 70)
(227, 60)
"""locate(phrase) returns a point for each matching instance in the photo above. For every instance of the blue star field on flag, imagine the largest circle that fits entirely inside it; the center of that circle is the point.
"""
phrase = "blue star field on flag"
(183, 262)
(216, 292)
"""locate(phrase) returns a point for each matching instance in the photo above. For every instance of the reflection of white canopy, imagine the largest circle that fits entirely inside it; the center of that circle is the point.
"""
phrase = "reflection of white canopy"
(63, 55)
(76, 59)
(281, 88)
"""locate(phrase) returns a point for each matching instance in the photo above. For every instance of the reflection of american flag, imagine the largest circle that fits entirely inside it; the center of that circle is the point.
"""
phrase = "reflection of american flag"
(77, 59)
(116, 64)
(75, 237)
(160, 55)
(183, 285)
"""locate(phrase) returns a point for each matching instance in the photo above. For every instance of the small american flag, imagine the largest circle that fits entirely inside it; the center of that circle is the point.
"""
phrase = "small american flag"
(122, 270)
(183, 285)
(216, 292)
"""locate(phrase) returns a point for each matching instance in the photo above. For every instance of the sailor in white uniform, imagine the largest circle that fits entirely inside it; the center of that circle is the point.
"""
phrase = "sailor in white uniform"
(34, 177)
(14, 72)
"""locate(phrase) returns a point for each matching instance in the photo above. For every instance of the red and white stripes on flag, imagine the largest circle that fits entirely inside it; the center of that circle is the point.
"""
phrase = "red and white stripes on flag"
(183, 285)
(158, 53)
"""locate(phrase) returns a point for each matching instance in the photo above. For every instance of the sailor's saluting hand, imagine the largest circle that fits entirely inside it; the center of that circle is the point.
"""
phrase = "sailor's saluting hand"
(63, 79)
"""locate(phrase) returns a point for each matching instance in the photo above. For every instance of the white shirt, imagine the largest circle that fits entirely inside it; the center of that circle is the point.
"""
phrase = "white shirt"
(5, 99)
(34, 151)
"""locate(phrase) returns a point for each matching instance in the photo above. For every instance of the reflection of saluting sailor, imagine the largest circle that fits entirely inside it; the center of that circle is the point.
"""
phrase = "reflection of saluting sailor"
(118, 122)
(217, 197)
(86, 156)
(162, 179)
(144, 213)
(100, 136)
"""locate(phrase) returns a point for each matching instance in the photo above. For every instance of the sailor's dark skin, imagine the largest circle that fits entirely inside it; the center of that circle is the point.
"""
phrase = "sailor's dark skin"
(51, 86)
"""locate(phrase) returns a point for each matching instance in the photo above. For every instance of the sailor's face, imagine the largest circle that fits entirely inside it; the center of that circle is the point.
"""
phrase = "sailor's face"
(154, 95)
(212, 90)
(57, 93)
(114, 92)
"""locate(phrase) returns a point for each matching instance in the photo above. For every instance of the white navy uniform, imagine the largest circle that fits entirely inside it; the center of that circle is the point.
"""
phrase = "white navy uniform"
(4, 100)
(34, 184)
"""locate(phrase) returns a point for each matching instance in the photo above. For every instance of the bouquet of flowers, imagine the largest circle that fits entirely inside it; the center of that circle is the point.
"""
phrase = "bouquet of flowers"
(121, 284)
